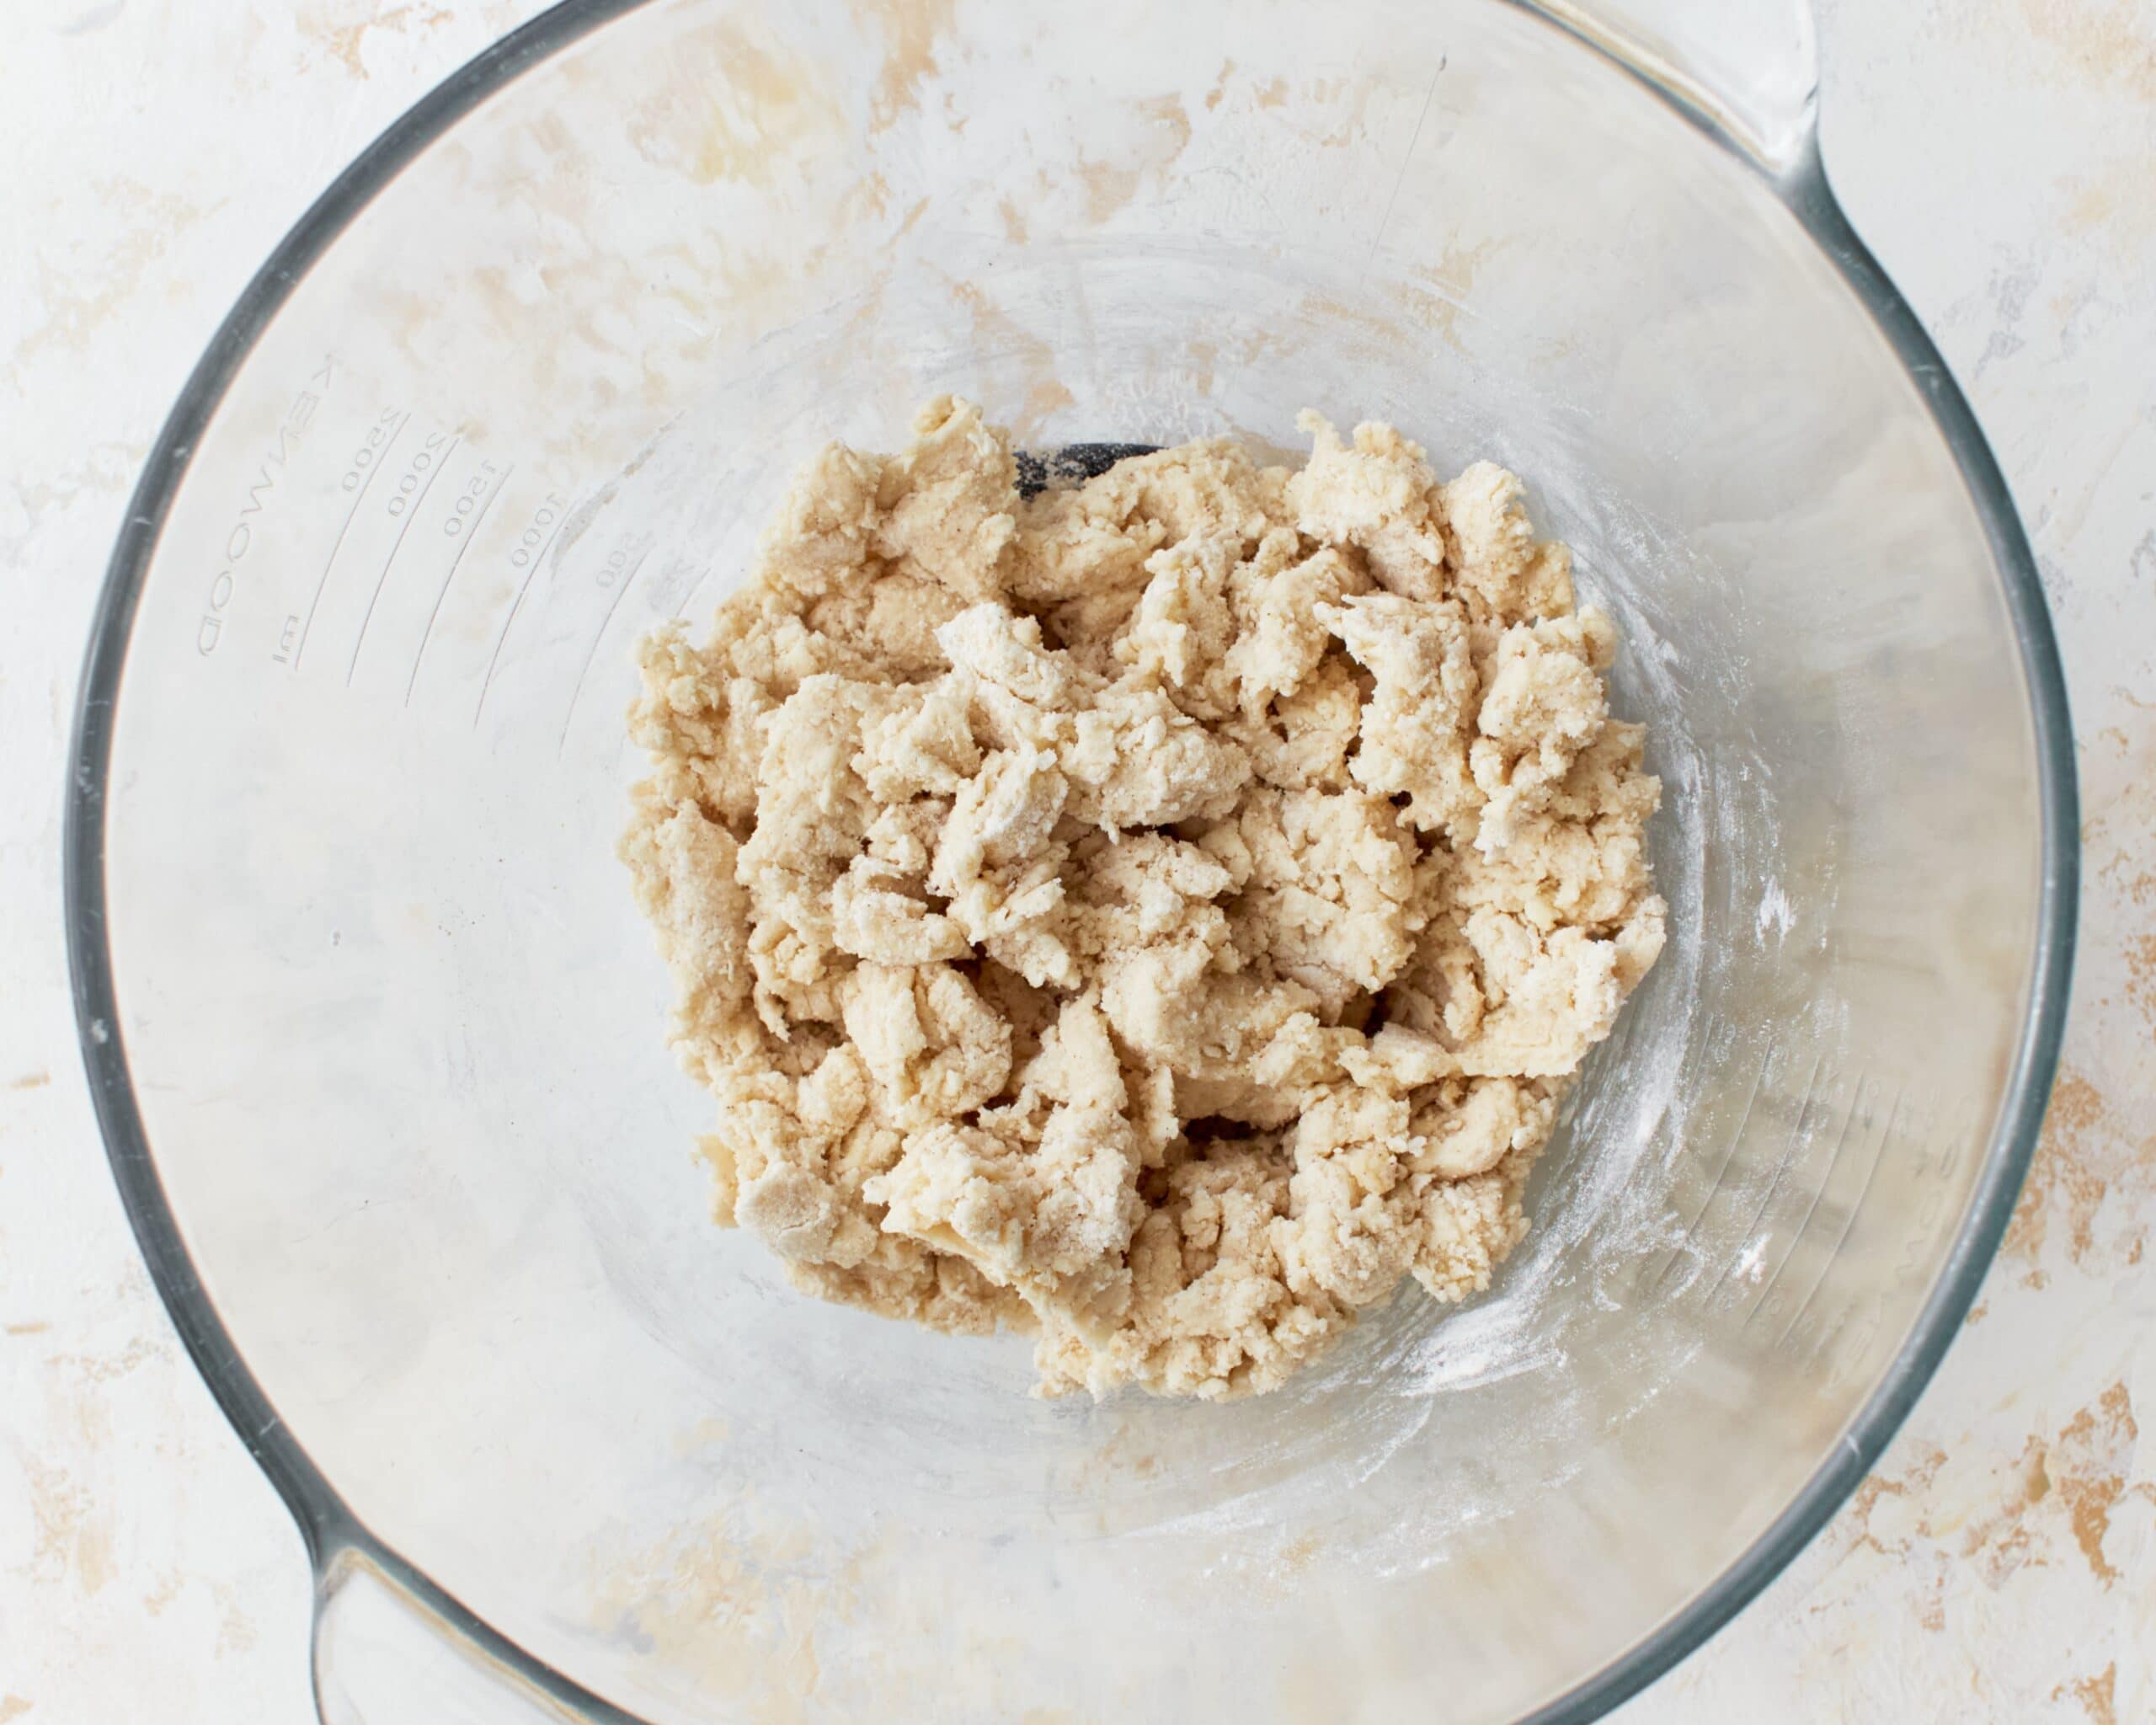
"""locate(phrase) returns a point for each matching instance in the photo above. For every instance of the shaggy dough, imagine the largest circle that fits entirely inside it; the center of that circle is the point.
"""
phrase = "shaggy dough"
(1158, 914)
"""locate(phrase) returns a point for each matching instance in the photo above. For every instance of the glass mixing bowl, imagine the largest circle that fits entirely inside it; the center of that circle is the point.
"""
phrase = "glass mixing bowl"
(376, 1033)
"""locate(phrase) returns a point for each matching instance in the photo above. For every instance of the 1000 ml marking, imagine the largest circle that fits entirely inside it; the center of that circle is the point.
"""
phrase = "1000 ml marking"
(292, 429)
(538, 535)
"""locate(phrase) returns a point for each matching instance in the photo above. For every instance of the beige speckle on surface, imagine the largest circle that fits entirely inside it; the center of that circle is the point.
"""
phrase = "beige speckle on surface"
(2097, 1694)
(2102, 43)
(1995, 158)
(346, 36)
(909, 29)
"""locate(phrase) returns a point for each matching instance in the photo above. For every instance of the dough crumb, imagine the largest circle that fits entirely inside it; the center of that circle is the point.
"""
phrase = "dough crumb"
(1159, 914)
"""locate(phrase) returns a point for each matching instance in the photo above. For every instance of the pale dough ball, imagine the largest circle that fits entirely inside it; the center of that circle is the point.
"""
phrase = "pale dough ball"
(1160, 914)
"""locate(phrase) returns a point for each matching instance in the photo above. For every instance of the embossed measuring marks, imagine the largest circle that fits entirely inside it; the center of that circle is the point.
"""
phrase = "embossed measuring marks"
(360, 471)
(401, 535)
(468, 514)
(420, 472)
(623, 564)
(528, 556)
(399, 509)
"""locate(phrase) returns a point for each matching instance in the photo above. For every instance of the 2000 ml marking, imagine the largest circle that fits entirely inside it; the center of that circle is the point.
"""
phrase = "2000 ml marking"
(291, 431)
(420, 473)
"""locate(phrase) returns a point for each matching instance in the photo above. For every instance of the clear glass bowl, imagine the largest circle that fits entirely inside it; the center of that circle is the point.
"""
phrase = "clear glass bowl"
(376, 1033)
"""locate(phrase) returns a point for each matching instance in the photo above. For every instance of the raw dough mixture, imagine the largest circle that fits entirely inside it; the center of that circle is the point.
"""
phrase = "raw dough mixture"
(1158, 914)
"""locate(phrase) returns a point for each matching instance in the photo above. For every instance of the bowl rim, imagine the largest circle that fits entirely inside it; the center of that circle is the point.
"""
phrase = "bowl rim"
(328, 1525)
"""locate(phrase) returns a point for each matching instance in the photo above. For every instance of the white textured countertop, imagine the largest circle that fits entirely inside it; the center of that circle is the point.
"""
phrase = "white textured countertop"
(2001, 159)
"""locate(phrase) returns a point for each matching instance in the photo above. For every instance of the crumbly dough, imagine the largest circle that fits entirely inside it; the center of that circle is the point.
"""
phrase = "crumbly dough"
(1159, 914)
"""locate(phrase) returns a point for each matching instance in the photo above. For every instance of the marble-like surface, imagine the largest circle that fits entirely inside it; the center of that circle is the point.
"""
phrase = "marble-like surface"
(2000, 1565)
